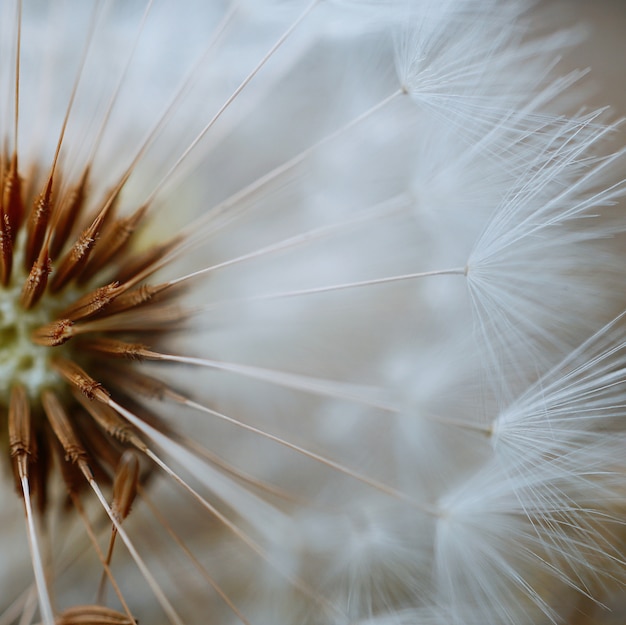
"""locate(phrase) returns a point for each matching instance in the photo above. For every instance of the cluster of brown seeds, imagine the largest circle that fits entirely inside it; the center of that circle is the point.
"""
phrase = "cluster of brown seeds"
(70, 269)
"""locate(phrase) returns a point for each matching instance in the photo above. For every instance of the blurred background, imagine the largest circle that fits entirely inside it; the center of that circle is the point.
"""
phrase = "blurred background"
(603, 50)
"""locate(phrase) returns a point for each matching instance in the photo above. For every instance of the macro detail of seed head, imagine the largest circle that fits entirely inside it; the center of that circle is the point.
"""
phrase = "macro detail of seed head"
(71, 293)
(62, 302)
(310, 313)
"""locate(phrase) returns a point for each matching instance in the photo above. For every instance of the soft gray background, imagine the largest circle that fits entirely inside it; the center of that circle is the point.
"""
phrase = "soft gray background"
(604, 50)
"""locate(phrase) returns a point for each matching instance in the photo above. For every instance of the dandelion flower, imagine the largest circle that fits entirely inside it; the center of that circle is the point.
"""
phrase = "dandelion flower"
(291, 298)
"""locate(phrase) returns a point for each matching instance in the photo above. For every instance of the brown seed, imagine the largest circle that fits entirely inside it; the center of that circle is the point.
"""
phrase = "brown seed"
(155, 319)
(40, 466)
(137, 297)
(6, 248)
(92, 303)
(20, 442)
(37, 280)
(113, 241)
(12, 197)
(76, 258)
(125, 485)
(68, 213)
(62, 427)
(109, 420)
(73, 477)
(92, 615)
(116, 348)
(53, 334)
(38, 224)
(80, 380)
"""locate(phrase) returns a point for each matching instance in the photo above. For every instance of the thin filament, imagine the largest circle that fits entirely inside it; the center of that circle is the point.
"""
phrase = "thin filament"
(45, 605)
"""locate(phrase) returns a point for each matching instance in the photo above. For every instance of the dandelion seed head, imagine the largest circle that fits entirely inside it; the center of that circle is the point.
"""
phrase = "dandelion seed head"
(311, 264)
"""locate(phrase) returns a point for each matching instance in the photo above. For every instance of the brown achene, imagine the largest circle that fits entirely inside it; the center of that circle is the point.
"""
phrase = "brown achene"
(66, 261)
